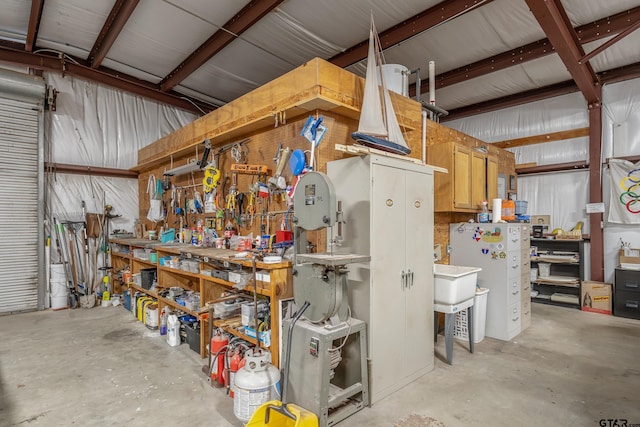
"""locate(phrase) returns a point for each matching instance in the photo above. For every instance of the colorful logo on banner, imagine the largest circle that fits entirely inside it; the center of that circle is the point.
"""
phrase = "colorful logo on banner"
(630, 195)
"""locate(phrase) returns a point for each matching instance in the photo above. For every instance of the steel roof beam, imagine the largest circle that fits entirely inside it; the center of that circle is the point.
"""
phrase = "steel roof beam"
(241, 22)
(555, 23)
(429, 18)
(75, 67)
(525, 97)
(118, 17)
(596, 30)
(610, 42)
(34, 24)
(615, 75)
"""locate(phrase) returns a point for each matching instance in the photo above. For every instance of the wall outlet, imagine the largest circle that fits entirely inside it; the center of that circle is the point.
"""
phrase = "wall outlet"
(437, 252)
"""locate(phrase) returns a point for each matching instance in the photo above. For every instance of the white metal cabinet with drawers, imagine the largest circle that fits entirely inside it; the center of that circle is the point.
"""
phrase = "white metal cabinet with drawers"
(502, 251)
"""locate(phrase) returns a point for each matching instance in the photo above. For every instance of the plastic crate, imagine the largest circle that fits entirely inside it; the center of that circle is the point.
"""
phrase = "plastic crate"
(460, 324)
(521, 207)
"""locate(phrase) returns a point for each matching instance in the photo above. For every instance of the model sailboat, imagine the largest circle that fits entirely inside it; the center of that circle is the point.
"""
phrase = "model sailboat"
(378, 126)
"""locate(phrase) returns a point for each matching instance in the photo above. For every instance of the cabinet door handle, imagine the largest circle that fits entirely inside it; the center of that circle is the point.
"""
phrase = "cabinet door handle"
(515, 319)
(411, 279)
(408, 278)
(403, 279)
(515, 292)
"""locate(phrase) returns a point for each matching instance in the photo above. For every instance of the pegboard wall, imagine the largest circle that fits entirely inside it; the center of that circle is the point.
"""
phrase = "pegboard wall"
(259, 148)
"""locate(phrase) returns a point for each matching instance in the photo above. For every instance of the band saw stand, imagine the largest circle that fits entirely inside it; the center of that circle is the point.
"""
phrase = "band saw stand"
(328, 373)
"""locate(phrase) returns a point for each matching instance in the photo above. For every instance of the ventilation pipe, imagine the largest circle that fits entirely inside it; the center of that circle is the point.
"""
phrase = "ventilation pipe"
(436, 112)
(432, 82)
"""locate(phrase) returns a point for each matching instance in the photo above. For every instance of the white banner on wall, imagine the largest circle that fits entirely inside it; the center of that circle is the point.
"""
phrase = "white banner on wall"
(624, 203)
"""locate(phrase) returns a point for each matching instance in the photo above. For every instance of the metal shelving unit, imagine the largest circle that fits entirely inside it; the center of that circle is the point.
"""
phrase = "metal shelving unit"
(566, 265)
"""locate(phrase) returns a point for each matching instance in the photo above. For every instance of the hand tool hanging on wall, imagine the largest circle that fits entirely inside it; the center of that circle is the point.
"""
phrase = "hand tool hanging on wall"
(240, 204)
(251, 208)
(281, 157)
(211, 178)
(231, 197)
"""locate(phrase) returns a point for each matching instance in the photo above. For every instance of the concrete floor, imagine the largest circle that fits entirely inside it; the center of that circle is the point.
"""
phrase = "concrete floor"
(100, 367)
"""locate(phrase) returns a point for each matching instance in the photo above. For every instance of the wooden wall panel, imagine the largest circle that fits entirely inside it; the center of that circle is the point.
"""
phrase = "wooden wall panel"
(261, 149)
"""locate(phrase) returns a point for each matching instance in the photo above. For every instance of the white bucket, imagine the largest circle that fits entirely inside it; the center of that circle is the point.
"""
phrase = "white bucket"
(57, 273)
(58, 288)
(58, 294)
(544, 269)
(534, 274)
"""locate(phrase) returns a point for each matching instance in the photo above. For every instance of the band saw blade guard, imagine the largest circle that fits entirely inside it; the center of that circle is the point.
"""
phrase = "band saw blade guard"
(320, 279)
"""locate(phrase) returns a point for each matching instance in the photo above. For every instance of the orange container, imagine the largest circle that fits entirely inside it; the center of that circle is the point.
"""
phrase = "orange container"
(508, 210)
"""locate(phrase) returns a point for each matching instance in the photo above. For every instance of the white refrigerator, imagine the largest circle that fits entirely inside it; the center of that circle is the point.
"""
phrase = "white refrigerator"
(502, 251)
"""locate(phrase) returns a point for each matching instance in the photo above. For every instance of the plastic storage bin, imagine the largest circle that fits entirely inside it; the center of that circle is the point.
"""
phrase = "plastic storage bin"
(193, 336)
(226, 309)
(461, 328)
(544, 269)
(521, 207)
(148, 276)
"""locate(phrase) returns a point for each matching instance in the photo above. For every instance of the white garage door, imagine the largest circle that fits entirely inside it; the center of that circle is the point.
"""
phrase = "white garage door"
(21, 194)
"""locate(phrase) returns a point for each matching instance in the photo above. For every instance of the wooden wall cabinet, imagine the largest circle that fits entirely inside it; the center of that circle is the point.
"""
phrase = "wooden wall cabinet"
(472, 177)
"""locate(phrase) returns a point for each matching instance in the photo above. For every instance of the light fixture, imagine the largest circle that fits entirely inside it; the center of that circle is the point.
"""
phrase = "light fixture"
(192, 166)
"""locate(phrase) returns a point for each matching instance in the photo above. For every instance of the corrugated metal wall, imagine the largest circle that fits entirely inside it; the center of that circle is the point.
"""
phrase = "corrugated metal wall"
(21, 193)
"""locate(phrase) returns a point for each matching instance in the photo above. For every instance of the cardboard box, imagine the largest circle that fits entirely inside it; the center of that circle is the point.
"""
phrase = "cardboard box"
(632, 256)
(596, 297)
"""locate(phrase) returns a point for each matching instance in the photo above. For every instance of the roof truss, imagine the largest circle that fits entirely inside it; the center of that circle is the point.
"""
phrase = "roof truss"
(555, 23)
(550, 13)
(429, 18)
(116, 20)
(601, 28)
(34, 24)
(241, 22)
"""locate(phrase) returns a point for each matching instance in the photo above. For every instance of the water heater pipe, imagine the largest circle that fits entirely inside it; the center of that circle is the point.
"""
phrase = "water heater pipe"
(424, 136)
(432, 82)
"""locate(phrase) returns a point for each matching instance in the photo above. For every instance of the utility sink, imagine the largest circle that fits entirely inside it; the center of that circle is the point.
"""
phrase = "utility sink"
(454, 284)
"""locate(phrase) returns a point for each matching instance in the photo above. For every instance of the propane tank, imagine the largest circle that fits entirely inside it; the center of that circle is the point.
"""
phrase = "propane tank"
(234, 364)
(218, 342)
(255, 384)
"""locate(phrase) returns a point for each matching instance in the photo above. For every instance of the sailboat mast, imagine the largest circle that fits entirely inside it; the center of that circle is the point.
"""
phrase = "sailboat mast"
(379, 61)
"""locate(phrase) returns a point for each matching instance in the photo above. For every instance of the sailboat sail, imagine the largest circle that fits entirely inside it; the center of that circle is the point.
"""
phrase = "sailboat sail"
(378, 126)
